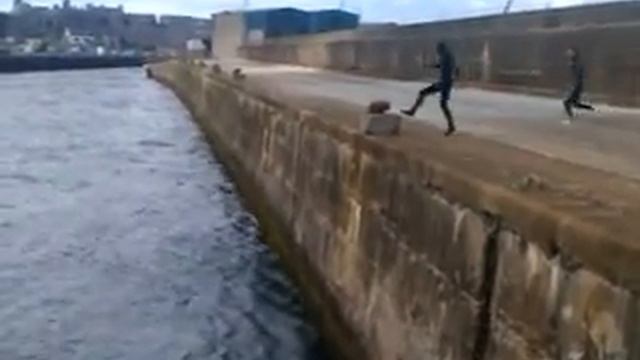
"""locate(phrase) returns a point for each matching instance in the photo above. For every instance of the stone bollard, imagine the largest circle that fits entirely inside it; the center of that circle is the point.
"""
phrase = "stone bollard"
(378, 122)
(378, 107)
(148, 72)
(238, 74)
(216, 69)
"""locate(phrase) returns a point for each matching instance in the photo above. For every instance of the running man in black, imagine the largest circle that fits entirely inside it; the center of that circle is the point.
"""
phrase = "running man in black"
(577, 78)
(447, 66)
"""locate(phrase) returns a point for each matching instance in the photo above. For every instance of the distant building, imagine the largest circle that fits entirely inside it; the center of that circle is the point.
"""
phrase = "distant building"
(196, 47)
(229, 34)
(110, 26)
(232, 30)
(18, 6)
(4, 22)
(178, 29)
(79, 43)
(140, 31)
(277, 22)
(332, 20)
(32, 46)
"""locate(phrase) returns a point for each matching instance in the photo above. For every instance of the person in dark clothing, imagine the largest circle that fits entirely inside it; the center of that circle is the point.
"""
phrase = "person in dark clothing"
(577, 78)
(447, 65)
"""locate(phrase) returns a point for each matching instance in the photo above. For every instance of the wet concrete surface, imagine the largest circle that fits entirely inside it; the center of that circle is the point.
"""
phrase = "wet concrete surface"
(607, 139)
(121, 236)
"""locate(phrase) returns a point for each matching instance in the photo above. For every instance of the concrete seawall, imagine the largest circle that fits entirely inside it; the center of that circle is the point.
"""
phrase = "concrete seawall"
(412, 248)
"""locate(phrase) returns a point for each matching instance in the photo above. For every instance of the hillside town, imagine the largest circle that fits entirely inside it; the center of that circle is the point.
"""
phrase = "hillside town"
(69, 29)
(102, 30)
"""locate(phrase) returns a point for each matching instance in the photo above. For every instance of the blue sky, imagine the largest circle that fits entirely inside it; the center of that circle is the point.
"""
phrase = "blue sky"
(371, 10)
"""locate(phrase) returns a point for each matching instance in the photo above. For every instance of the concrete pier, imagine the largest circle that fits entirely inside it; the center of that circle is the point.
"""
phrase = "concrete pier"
(605, 140)
(427, 247)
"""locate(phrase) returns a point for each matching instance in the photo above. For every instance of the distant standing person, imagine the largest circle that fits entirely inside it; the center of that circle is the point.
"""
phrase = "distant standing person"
(577, 85)
(447, 65)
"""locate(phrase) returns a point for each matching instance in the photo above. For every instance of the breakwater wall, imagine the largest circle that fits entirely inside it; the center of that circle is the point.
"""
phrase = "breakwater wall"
(520, 52)
(13, 64)
(422, 248)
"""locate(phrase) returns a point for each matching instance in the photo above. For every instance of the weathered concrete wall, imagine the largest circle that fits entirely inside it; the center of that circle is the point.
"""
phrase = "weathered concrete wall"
(549, 19)
(520, 52)
(425, 255)
(228, 34)
(569, 17)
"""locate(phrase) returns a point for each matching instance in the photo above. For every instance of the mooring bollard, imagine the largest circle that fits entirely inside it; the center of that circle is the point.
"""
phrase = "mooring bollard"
(148, 72)
(238, 74)
(378, 107)
(378, 122)
(216, 69)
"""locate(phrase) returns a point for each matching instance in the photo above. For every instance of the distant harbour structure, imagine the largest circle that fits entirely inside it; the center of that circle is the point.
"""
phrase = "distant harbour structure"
(26, 63)
(109, 27)
(17, 6)
(234, 29)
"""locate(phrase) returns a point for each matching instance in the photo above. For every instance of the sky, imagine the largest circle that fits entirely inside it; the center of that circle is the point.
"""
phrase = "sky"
(402, 11)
